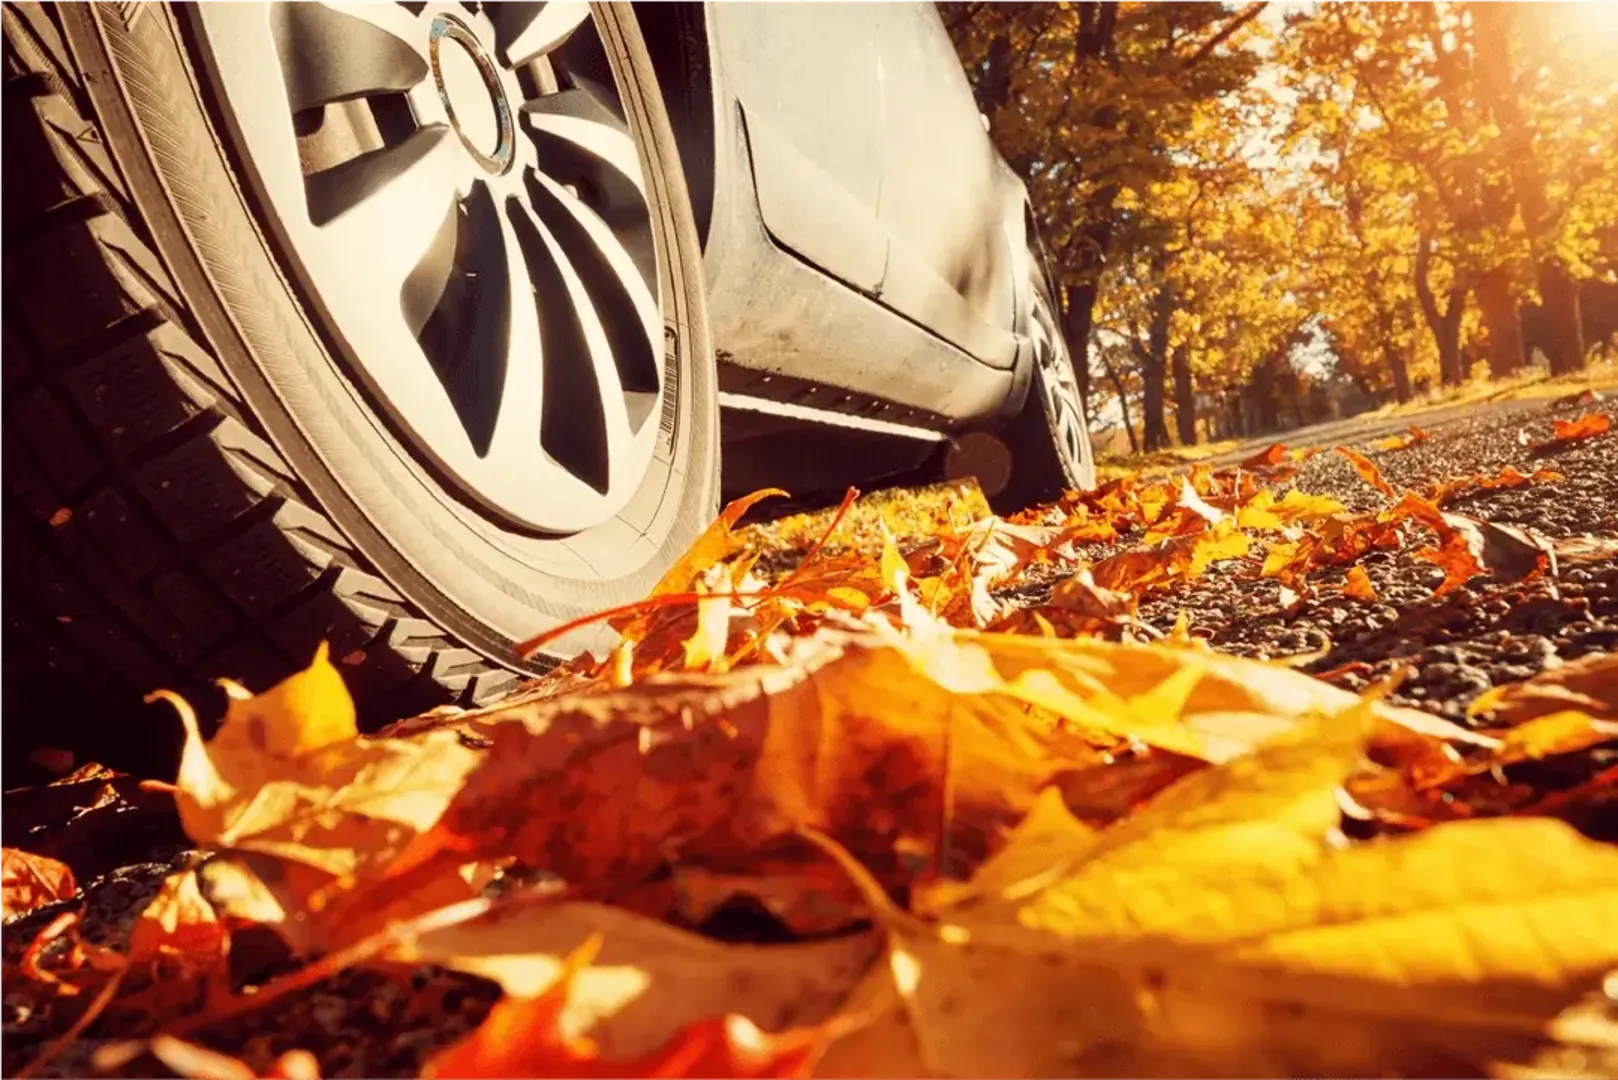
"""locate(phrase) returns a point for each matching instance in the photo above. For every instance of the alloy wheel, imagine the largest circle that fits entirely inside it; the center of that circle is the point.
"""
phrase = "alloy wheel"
(457, 189)
(1059, 389)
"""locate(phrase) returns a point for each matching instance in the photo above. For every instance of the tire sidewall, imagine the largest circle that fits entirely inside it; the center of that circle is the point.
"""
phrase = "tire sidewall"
(1081, 474)
(485, 584)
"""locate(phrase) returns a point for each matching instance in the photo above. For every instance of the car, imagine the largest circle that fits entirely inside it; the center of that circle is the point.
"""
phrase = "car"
(418, 328)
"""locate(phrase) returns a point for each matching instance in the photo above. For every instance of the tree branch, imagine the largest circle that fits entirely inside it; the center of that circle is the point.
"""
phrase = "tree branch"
(1239, 20)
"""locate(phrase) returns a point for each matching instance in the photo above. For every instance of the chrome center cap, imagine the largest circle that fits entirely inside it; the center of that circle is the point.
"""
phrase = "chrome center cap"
(470, 88)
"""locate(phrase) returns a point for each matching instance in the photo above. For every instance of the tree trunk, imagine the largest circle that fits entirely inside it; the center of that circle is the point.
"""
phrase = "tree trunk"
(1154, 364)
(1079, 302)
(1564, 335)
(1564, 330)
(1123, 403)
(1445, 325)
(1185, 399)
(1399, 369)
(1498, 303)
(1451, 368)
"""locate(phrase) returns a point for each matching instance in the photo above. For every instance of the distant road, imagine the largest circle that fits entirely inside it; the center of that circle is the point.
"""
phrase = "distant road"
(1357, 429)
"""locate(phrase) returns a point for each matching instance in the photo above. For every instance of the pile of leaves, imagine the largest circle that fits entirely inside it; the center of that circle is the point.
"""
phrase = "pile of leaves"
(995, 824)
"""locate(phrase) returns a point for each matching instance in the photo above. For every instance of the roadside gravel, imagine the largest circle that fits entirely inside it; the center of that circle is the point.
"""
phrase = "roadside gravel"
(1482, 634)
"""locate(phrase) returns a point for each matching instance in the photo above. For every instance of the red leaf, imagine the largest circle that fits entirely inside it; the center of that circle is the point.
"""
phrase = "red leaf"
(1267, 458)
(1570, 431)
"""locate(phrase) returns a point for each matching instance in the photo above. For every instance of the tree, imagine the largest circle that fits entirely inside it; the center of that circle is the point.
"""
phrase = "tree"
(1086, 101)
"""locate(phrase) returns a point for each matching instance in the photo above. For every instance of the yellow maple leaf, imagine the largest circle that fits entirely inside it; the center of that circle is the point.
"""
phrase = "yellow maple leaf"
(1223, 930)
(279, 779)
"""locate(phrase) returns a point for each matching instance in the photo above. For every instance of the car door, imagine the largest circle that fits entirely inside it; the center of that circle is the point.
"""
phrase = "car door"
(946, 196)
(808, 81)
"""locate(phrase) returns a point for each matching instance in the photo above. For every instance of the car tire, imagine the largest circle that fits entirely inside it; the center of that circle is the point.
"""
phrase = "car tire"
(1048, 438)
(194, 486)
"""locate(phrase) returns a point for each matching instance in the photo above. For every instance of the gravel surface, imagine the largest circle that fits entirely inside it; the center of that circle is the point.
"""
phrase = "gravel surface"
(1481, 635)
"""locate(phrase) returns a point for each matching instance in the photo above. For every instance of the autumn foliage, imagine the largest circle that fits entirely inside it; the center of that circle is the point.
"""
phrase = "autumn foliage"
(1254, 209)
(996, 835)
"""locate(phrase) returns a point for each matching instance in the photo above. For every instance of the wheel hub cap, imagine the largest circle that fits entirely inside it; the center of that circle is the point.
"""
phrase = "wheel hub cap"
(459, 187)
(474, 101)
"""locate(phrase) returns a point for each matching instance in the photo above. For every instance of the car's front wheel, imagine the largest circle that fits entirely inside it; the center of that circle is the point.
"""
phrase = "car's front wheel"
(375, 323)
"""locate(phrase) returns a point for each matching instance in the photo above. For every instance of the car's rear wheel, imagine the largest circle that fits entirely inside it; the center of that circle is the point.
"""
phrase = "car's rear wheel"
(381, 324)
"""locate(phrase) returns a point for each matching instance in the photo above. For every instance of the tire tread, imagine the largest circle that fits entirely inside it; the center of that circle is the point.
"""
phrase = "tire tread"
(150, 525)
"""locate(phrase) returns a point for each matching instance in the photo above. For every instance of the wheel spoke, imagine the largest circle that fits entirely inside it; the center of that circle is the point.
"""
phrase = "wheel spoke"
(611, 278)
(382, 212)
(517, 446)
(329, 55)
(586, 415)
(575, 126)
(424, 288)
(467, 338)
(524, 31)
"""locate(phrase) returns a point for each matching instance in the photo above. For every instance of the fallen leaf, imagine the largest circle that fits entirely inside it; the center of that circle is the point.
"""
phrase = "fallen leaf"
(29, 882)
(1368, 471)
(1221, 931)
(1401, 442)
(1080, 594)
(1585, 550)
(1225, 541)
(340, 809)
(1562, 732)
(1269, 457)
(1470, 546)
(1568, 432)
(524, 1036)
(849, 738)
(649, 981)
(179, 922)
(717, 543)
(187, 1059)
(1357, 585)
(1588, 685)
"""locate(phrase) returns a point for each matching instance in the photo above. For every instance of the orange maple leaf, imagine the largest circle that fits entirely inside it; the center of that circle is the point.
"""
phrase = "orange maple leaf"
(1269, 457)
(1567, 432)
(1368, 471)
(1358, 585)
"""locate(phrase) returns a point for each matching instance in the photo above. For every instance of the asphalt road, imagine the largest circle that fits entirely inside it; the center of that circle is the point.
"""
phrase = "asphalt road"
(1369, 426)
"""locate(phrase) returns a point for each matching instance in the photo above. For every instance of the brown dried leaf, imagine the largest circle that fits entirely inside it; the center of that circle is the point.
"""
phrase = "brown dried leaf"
(28, 882)
(1585, 550)
(1267, 458)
